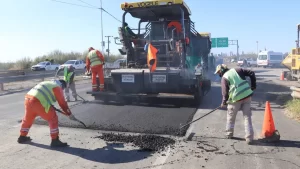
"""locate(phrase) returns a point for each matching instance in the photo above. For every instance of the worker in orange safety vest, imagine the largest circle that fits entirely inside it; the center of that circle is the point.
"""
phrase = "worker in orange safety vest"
(39, 102)
(95, 61)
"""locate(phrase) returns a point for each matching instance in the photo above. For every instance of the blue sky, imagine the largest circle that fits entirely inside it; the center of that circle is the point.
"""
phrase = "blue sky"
(36, 27)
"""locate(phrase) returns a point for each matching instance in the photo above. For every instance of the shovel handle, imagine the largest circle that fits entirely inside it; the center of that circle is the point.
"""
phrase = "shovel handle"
(200, 117)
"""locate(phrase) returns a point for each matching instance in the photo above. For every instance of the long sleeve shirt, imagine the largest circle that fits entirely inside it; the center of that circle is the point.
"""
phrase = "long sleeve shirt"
(242, 73)
(58, 93)
(59, 96)
(71, 78)
(88, 62)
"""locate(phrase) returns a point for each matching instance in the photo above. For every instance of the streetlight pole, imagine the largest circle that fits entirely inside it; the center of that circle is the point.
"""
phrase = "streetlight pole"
(257, 48)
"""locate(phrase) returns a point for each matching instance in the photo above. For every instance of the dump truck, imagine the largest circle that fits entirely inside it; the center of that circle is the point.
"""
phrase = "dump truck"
(292, 61)
(180, 48)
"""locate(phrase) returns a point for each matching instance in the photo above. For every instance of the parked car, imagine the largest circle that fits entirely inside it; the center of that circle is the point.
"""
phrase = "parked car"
(251, 62)
(233, 61)
(77, 64)
(240, 62)
(115, 65)
(45, 66)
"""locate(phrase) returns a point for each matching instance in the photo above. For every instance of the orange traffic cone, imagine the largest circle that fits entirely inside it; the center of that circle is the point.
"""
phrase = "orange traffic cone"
(269, 134)
(268, 125)
(282, 75)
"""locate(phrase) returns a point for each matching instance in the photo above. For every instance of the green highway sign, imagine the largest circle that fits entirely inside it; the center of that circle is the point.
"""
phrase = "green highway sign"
(213, 42)
(222, 42)
(219, 42)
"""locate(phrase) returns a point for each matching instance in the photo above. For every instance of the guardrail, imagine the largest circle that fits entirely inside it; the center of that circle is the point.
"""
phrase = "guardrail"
(22, 72)
(41, 75)
(295, 92)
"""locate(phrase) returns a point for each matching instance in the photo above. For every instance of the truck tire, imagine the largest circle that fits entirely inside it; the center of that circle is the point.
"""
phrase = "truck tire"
(198, 96)
(289, 76)
(206, 86)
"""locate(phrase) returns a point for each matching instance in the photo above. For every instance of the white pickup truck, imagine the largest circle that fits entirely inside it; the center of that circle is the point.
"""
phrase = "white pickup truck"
(77, 64)
(240, 62)
(115, 65)
(251, 62)
(45, 66)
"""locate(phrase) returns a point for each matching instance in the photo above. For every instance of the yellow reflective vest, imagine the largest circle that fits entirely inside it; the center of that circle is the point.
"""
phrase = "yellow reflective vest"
(67, 75)
(238, 88)
(44, 93)
(94, 59)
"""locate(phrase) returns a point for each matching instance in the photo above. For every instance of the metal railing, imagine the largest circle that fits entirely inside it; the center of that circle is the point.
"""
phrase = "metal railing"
(30, 76)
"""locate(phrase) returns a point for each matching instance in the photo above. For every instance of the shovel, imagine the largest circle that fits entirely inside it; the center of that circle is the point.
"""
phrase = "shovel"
(74, 119)
(83, 100)
(197, 119)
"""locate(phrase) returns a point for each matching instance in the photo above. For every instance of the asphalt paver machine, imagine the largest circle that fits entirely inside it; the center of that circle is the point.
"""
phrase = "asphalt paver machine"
(180, 49)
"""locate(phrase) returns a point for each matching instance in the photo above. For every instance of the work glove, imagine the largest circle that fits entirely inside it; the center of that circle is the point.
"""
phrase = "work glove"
(72, 117)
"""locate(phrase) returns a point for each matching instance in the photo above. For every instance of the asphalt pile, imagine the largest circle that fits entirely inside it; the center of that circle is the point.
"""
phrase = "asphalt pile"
(144, 142)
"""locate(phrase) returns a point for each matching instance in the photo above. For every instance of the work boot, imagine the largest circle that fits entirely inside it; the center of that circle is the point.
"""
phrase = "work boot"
(67, 100)
(75, 99)
(57, 143)
(23, 139)
(229, 136)
(249, 141)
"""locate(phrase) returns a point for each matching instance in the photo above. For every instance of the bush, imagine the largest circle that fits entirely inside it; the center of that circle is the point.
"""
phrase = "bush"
(6, 66)
(55, 56)
(293, 107)
(24, 63)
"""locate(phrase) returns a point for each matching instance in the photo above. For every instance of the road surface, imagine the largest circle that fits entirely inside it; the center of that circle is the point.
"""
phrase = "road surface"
(207, 148)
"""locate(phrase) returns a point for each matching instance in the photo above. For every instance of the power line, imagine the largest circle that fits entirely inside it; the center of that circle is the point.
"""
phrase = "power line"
(74, 4)
(90, 6)
(111, 15)
(87, 4)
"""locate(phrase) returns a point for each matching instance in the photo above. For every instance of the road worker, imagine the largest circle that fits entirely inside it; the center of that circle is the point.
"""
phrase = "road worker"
(198, 69)
(237, 96)
(39, 102)
(130, 38)
(128, 32)
(95, 62)
(69, 74)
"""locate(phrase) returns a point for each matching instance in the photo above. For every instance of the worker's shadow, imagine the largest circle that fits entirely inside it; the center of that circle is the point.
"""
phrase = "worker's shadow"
(107, 154)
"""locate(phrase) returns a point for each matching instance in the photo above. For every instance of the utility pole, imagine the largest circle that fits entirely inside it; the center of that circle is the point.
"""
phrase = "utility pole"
(235, 42)
(108, 42)
(102, 39)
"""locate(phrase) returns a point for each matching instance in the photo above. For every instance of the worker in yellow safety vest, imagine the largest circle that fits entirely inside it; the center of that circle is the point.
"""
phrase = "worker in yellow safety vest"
(69, 74)
(39, 102)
